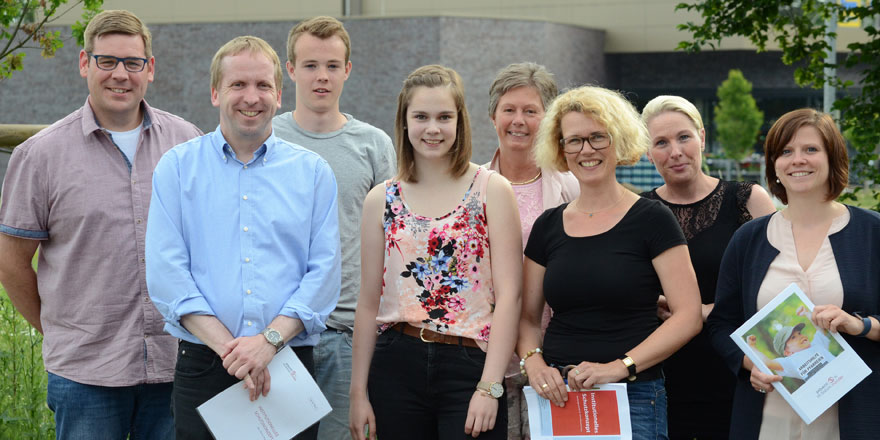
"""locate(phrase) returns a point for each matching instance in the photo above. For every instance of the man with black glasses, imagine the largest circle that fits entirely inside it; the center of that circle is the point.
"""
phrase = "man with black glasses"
(80, 190)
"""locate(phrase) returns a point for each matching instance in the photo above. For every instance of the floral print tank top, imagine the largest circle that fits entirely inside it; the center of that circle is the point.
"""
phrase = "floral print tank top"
(438, 270)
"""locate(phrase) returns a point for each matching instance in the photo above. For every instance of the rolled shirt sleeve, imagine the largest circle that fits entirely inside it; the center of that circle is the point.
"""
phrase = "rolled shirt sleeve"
(169, 280)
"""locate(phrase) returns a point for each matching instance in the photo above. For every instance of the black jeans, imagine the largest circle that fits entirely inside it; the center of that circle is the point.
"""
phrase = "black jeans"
(199, 376)
(422, 390)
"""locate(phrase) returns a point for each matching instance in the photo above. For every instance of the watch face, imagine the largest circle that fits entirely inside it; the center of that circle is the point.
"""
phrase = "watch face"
(496, 390)
(273, 336)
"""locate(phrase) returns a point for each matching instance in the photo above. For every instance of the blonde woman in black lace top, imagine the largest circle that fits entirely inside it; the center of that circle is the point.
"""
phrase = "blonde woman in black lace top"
(709, 210)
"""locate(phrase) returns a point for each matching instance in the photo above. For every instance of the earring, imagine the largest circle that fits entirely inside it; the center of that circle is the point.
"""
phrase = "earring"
(777, 180)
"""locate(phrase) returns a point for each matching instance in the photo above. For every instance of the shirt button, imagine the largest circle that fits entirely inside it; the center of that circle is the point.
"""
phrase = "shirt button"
(146, 336)
(245, 167)
(248, 291)
(146, 299)
(247, 260)
(134, 181)
(138, 221)
(244, 197)
(250, 323)
(142, 260)
(245, 229)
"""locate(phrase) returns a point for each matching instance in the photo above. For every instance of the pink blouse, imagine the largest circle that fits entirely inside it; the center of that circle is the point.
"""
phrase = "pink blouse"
(821, 283)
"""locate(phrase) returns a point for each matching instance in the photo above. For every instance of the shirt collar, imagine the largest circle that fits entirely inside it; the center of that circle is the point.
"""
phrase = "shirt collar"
(90, 122)
(225, 152)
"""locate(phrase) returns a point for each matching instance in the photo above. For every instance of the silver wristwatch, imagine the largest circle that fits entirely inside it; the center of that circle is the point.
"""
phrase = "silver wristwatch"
(274, 338)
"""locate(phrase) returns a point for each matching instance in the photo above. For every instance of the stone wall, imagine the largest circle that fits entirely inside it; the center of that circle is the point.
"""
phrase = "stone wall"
(384, 51)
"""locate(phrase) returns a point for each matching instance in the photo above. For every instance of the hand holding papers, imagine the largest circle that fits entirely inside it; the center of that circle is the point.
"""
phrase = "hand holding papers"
(817, 367)
(293, 404)
(600, 413)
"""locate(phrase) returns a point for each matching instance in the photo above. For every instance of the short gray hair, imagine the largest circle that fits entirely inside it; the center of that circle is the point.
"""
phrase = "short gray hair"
(523, 75)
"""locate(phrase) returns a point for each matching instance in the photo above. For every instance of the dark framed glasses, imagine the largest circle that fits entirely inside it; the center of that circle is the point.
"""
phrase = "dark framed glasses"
(109, 62)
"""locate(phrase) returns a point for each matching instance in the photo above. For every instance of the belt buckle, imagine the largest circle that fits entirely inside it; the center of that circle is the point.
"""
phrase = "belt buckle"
(422, 336)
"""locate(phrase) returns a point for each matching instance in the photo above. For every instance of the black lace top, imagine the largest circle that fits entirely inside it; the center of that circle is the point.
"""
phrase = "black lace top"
(699, 216)
(708, 225)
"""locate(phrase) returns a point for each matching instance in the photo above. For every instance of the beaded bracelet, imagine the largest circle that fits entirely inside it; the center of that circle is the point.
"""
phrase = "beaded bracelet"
(522, 362)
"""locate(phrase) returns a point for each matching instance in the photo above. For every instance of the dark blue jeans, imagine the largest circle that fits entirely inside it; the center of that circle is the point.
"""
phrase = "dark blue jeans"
(422, 390)
(89, 412)
(199, 376)
(647, 409)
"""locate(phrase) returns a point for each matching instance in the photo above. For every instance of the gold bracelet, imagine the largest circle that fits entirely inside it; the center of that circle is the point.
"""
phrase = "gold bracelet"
(522, 362)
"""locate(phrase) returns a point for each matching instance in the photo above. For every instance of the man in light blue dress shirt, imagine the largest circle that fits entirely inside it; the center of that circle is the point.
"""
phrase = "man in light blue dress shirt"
(242, 242)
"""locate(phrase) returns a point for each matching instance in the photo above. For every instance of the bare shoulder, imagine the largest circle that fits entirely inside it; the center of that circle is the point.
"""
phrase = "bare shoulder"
(760, 203)
(376, 197)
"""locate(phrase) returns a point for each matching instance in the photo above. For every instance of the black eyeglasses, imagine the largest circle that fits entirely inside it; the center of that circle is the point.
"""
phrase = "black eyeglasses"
(109, 62)
(574, 144)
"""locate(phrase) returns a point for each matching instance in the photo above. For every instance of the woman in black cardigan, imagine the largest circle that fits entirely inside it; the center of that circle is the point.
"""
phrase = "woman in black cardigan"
(831, 251)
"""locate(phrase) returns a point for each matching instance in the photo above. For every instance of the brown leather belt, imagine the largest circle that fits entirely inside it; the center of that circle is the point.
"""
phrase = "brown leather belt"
(431, 336)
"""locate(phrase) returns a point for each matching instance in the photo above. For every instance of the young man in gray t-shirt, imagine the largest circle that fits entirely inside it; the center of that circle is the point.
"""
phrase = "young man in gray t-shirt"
(361, 156)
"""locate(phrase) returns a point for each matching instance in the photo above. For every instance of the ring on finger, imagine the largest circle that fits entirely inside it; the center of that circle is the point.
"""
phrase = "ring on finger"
(576, 372)
(544, 386)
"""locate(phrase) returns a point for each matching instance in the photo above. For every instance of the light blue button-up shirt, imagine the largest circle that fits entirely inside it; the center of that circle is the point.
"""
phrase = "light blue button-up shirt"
(243, 242)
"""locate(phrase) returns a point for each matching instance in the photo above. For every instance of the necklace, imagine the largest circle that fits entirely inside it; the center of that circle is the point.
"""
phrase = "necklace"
(592, 213)
(537, 176)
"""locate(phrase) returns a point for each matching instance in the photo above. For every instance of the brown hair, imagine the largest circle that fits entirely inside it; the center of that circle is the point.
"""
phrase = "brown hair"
(460, 154)
(783, 131)
(241, 44)
(117, 21)
(322, 27)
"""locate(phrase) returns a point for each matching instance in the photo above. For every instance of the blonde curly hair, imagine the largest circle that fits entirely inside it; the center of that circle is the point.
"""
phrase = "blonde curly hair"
(628, 133)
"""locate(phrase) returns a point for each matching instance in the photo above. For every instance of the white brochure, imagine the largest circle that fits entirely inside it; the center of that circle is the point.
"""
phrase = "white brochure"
(817, 367)
(294, 403)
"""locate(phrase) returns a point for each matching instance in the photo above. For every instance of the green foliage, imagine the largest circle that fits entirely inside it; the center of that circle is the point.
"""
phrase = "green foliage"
(737, 117)
(23, 411)
(23, 26)
(798, 28)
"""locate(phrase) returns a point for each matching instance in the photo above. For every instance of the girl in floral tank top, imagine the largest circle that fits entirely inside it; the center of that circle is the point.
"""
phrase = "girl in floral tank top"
(438, 311)
(446, 287)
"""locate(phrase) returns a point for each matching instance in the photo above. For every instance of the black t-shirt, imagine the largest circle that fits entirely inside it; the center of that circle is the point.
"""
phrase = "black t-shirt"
(603, 288)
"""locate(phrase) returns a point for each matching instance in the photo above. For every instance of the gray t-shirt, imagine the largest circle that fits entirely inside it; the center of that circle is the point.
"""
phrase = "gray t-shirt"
(361, 156)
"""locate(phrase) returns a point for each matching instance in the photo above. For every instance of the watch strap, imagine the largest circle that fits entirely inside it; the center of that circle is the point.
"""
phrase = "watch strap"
(486, 388)
(865, 320)
(630, 367)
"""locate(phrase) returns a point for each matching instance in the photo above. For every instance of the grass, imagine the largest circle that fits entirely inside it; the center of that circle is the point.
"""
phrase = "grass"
(23, 410)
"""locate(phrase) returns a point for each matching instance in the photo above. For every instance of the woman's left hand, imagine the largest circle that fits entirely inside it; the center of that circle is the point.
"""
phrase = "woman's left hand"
(832, 318)
(481, 414)
(587, 374)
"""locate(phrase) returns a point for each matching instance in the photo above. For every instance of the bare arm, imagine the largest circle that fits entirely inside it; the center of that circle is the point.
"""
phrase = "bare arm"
(364, 340)
(832, 318)
(760, 203)
(505, 236)
(679, 284)
(530, 336)
(18, 276)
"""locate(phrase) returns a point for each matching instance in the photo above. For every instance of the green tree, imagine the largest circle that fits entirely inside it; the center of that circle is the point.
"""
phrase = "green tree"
(737, 118)
(23, 26)
(798, 28)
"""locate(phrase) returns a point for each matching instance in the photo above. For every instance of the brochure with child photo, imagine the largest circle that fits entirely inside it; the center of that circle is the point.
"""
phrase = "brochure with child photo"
(817, 367)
